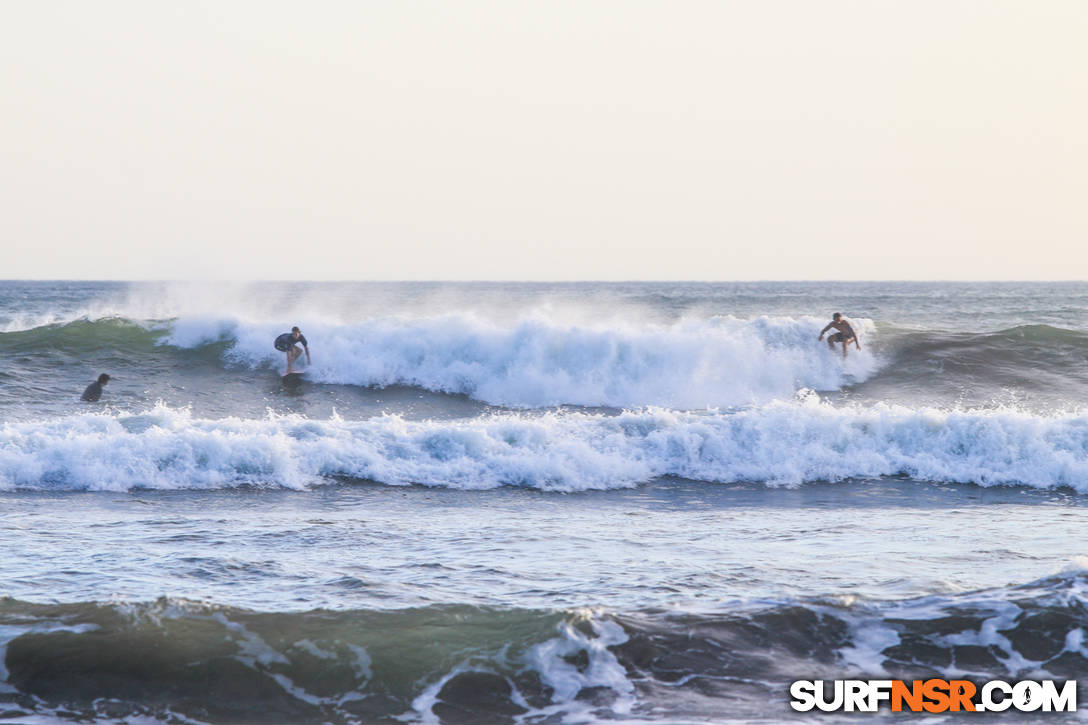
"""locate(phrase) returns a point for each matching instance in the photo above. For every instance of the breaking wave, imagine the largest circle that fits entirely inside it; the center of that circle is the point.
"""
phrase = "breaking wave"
(535, 363)
(692, 364)
(780, 444)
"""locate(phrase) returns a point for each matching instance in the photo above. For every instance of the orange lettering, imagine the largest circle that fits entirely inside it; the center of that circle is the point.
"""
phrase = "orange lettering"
(937, 692)
(961, 693)
(912, 696)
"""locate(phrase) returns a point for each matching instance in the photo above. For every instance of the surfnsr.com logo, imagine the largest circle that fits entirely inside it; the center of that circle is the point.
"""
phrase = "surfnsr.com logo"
(933, 696)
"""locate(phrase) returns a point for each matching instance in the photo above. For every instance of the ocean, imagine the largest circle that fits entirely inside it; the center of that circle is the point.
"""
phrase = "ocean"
(535, 503)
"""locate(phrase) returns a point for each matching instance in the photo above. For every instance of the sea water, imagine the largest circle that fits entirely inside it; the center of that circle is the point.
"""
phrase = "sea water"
(533, 503)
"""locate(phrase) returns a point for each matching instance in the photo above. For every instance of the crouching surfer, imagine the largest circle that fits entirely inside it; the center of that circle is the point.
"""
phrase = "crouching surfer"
(289, 342)
(845, 334)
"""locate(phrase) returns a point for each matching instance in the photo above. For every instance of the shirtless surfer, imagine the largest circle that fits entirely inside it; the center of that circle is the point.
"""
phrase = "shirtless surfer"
(844, 335)
(287, 342)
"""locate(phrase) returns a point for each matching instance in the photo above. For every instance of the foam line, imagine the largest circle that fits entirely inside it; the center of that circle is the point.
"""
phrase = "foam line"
(780, 444)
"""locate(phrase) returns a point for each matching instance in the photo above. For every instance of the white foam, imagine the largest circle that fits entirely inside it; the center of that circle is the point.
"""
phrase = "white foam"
(780, 444)
(308, 646)
(603, 670)
(536, 361)
(1074, 642)
(865, 654)
(423, 704)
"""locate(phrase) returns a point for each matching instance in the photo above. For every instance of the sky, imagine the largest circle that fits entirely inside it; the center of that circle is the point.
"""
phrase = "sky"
(558, 140)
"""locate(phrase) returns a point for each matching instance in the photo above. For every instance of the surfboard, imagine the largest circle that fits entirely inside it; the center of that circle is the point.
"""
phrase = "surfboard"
(292, 379)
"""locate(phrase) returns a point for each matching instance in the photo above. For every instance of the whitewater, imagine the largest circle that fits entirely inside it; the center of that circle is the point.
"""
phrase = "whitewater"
(779, 444)
(636, 502)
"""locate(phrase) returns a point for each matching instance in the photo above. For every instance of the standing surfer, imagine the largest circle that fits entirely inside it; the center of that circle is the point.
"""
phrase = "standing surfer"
(844, 335)
(287, 342)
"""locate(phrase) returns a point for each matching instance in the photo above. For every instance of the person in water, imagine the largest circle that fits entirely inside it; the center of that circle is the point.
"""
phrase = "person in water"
(845, 334)
(94, 390)
(287, 342)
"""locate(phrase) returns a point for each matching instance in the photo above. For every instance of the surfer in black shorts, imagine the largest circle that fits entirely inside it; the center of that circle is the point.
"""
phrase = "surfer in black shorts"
(287, 343)
(845, 334)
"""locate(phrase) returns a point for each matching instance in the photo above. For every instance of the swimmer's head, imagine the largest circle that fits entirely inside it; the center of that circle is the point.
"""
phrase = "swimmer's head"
(837, 316)
(295, 332)
(103, 379)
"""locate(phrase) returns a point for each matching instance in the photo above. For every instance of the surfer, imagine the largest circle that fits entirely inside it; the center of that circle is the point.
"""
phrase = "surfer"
(94, 390)
(287, 342)
(844, 335)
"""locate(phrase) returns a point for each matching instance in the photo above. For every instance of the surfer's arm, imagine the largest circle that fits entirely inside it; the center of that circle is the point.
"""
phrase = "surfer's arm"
(307, 349)
(823, 331)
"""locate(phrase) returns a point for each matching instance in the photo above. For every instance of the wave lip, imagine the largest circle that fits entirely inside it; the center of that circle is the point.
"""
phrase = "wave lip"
(780, 444)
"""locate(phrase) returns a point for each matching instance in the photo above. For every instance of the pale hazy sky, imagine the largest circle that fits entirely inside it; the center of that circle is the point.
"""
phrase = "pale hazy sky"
(544, 140)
